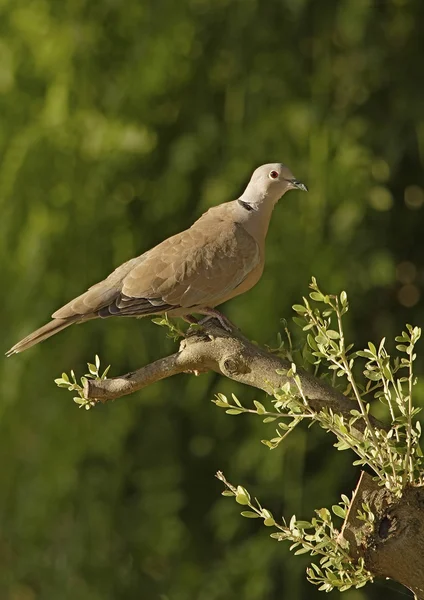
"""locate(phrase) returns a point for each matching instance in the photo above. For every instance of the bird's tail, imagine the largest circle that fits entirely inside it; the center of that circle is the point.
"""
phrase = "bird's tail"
(41, 334)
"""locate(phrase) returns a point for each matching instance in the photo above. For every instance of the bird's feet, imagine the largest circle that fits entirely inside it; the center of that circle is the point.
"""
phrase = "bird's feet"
(212, 313)
(190, 319)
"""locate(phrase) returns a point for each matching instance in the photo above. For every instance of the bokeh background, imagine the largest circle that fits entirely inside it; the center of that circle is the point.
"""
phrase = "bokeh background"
(120, 123)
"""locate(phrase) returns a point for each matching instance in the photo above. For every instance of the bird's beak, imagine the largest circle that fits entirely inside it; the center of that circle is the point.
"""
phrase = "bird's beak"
(298, 185)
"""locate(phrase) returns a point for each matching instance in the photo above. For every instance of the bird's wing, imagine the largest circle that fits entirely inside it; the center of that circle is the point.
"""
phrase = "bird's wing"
(99, 295)
(196, 267)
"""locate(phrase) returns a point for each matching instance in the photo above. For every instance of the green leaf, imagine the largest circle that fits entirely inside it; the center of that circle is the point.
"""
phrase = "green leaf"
(301, 551)
(401, 338)
(364, 353)
(249, 514)
(233, 411)
(333, 335)
(236, 400)
(269, 444)
(105, 372)
(303, 524)
(325, 587)
(222, 398)
(324, 514)
(373, 375)
(92, 368)
(400, 448)
(260, 408)
(317, 296)
(372, 348)
(311, 341)
(242, 495)
(401, 348)
(316, 569)
(220, 403)
(299, 308)
(61, 383)
(339, 511)
(341, 445)
(159, 321)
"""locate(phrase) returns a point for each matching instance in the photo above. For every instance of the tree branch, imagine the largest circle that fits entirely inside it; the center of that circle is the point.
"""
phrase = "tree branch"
(395, 546)
(232, 355)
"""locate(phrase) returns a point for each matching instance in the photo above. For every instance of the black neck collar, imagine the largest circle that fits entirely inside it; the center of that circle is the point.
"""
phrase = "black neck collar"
(245, 205)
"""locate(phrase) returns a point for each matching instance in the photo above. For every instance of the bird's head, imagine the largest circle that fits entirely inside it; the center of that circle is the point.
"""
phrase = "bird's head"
(269, 182)
(275, 179)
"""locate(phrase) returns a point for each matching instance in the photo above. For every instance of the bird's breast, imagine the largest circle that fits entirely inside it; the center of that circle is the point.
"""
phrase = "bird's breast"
(248, 282)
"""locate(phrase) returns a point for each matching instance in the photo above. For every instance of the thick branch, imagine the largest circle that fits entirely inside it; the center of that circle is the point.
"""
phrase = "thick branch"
(394, 548)
(231, 355)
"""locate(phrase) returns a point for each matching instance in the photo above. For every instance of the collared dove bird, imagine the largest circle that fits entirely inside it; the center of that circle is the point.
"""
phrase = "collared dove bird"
(219, 257)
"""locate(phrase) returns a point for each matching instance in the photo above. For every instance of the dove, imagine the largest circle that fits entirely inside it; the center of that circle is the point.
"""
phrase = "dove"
(219, 257)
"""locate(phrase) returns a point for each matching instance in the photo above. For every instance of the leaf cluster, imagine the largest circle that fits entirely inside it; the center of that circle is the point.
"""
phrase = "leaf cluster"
(317, 537)
(72, 385)
(394, 454)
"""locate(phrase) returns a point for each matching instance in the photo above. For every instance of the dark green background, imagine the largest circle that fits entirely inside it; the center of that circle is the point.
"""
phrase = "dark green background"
(120, 123)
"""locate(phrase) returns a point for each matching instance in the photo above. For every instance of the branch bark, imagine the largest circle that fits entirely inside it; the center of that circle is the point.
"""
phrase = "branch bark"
(233, 356)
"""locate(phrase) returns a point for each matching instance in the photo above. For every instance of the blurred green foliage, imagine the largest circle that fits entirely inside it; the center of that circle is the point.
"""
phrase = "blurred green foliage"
(120, 124)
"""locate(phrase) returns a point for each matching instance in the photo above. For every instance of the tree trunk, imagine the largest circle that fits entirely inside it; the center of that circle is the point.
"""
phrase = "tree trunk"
(395, 546)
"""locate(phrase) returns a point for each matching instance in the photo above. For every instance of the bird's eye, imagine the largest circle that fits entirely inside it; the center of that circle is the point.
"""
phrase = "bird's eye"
(273, 174)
